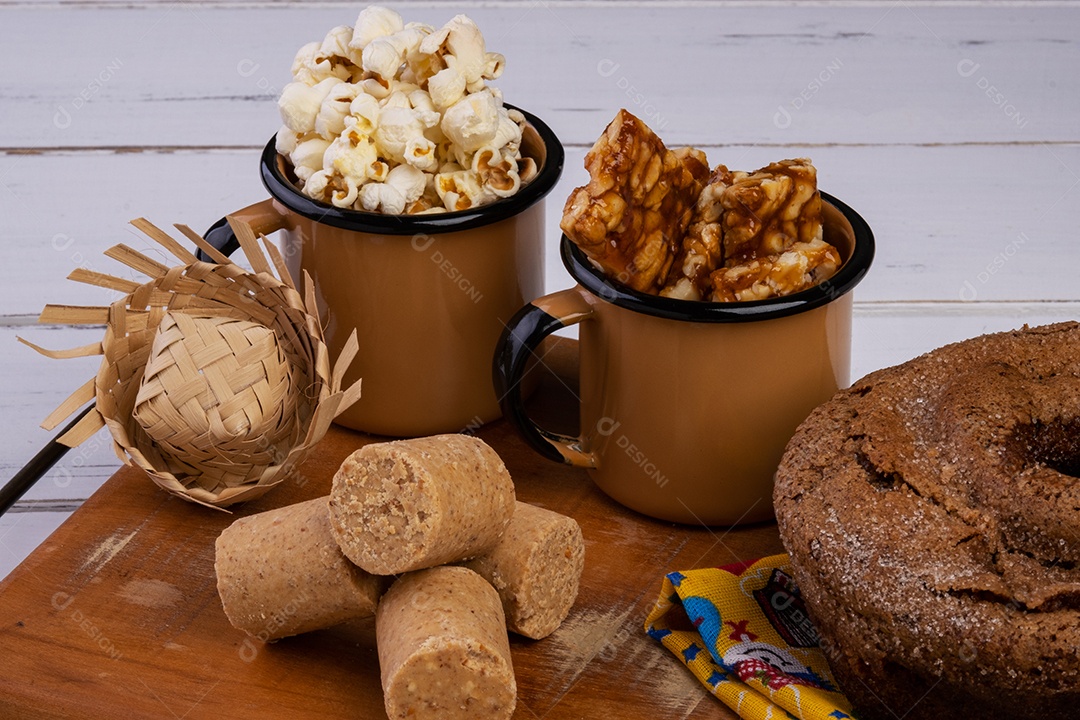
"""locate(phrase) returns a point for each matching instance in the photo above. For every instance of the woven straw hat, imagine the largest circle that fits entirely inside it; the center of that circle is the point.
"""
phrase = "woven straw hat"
(216, 380)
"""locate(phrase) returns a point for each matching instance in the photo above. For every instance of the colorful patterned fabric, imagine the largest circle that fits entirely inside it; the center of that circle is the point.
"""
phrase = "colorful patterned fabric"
(744, 632)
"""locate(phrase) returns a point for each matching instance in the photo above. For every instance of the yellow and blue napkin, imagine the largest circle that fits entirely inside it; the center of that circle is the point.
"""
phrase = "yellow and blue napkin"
(744, 632)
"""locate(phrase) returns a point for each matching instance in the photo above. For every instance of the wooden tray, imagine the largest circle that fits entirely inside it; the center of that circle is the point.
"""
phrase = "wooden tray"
(117, 614)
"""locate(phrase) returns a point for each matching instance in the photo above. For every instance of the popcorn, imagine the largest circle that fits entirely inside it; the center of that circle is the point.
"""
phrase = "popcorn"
(365, 110)
(408, 181)
(420, 152)
(446, 87)
(379, 171)
(385, 55)
(336, 44)
(286, 140)
(397, 125)
(461, 45)
(508, 134)
(375, 87)
(425, 108)
(496, 173)
(493, 65)
(308, 156)
(461, 190)
(351, 154)
(398, 118)
(326, 186)
(375, 22)
(300, 103)
(380, 196)
(335, 107)
(311, 66)
(317, 186)
(472, 122)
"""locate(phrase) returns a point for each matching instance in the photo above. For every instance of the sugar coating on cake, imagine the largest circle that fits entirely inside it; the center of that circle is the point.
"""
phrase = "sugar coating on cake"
(932, 514)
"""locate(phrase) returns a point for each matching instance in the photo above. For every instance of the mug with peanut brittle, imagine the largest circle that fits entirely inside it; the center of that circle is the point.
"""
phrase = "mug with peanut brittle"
(714, 313)
(686, 406)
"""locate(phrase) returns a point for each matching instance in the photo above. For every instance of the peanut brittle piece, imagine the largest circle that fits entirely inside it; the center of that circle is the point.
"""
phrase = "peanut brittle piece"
(801, 266)
(702, 247)
(631, 216)
(768, 210)
(695, 161)
(746, 221)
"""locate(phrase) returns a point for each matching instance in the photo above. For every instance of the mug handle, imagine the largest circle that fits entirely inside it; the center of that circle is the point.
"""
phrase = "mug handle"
(262, 217)
(530, 325)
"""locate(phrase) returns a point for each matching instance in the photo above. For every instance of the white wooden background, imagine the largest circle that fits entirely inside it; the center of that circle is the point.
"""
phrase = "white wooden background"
(954, 128)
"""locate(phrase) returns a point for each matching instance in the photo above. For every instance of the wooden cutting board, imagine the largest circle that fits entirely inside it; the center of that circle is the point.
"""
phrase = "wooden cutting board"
(117, 614)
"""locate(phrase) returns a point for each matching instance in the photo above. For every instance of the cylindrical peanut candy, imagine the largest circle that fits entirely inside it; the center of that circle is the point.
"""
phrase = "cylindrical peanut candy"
(412, 504)
(536, 568)
(281, 573)
(443, 649)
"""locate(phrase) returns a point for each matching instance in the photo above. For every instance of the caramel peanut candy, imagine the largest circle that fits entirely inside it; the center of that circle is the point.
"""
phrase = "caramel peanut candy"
(768, 210)
(443, 649)
(281, 573)
(801, 266)
(702, 249)
(695, 161)
(535, 568)
(744, 225)
(411, 504)
(631, 216)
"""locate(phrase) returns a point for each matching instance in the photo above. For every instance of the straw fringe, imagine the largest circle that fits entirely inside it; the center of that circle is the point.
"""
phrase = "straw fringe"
(216, 381)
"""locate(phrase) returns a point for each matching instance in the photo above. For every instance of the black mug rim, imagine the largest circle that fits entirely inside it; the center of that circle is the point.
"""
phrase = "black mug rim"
(282, 190)
(846, 278)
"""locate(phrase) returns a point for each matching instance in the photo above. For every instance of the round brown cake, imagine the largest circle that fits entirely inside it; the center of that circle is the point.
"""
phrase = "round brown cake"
(932, 514)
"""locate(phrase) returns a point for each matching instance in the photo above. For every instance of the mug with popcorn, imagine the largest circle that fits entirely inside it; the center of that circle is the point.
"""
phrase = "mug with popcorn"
(414, 198)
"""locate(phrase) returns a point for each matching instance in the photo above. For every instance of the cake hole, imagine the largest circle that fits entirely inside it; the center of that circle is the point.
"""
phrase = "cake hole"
(1055, 445)
(877, 478)
(1060, 602)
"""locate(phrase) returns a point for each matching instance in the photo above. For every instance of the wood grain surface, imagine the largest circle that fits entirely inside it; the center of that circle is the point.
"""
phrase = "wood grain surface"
(117, 614)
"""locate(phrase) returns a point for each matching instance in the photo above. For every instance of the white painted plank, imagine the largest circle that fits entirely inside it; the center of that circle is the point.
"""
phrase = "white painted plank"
(31, 387)
(464, 5)
(187, 74)
(21, 532)
(891, 333)
(988, 223)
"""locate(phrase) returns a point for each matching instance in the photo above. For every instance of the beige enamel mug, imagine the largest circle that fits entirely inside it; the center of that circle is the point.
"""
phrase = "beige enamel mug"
(686, 407)
(428, 295)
